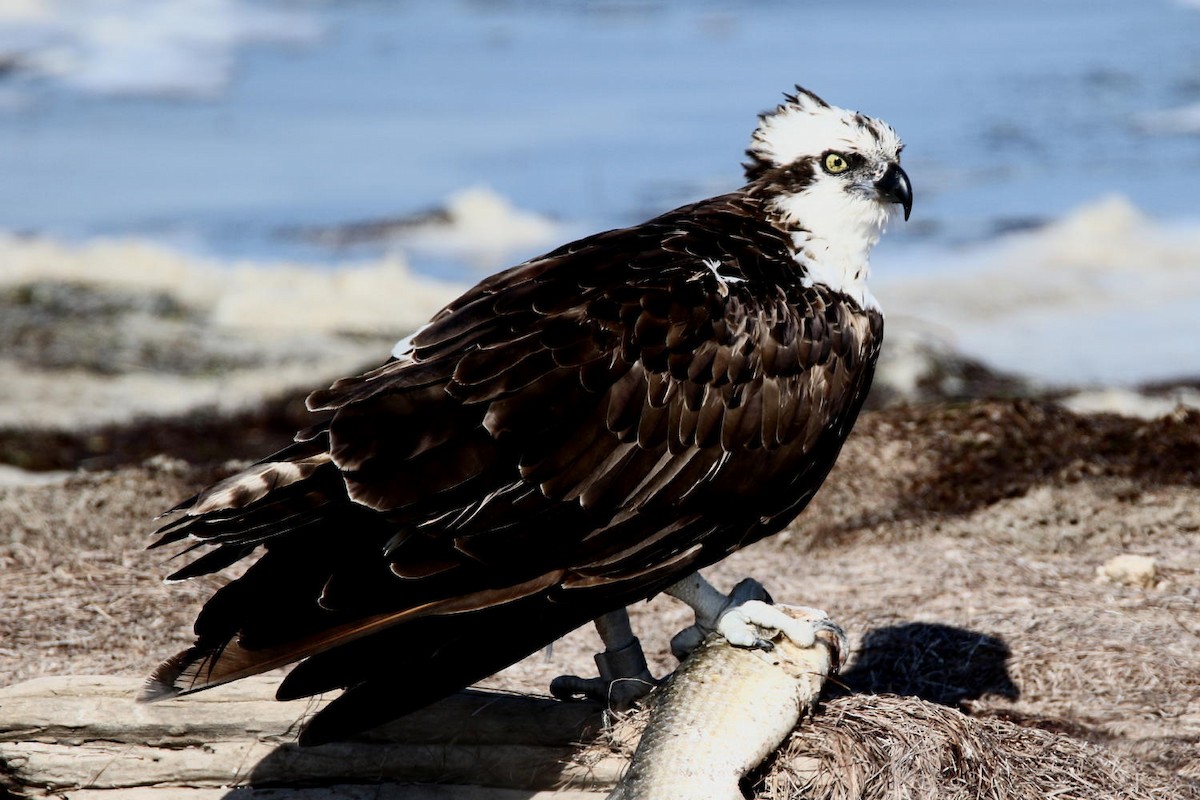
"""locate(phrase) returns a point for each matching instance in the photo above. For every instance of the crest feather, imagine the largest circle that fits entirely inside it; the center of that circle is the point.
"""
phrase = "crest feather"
(805, 126)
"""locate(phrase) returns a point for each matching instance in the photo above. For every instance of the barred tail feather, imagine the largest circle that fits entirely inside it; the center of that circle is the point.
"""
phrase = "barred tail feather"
(204, 666)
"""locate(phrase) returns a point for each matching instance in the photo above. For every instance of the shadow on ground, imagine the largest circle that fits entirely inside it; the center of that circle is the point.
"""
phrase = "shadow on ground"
(939, 663)
(445, 751)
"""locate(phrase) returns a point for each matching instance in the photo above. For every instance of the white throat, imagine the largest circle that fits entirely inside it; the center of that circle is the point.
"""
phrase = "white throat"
(833, 232)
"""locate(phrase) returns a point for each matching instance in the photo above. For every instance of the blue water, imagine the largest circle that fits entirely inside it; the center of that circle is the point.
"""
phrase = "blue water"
(604, 113)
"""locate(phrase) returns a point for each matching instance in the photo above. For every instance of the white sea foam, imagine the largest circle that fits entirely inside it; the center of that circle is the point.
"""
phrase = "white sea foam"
(143, 47)
(269, 327)
(274, 327)
(484, 229)
(1103, 296)
(1130, 403)
(14, 476)
(75, 399)
(379, 297)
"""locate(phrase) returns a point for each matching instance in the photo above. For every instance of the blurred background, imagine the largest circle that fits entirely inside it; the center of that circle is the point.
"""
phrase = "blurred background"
(203, 202)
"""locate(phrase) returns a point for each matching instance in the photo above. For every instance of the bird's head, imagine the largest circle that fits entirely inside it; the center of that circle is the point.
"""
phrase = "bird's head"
(833, 172)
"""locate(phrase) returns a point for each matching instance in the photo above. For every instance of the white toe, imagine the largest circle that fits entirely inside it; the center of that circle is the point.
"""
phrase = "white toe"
(736, 628)
(738, 624)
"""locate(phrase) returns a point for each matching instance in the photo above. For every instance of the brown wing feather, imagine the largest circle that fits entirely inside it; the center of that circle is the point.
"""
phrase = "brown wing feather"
(580, 431)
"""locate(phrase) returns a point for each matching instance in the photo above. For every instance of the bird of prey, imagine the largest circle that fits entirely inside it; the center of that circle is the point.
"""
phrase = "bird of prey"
(572, 435)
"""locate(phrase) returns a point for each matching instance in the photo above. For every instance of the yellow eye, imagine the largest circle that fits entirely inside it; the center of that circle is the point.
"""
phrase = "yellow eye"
(835, 163)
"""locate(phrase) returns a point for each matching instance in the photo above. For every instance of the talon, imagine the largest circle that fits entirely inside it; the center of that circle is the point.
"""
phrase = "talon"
(746, 617)
(840, 643)
(624, 679)
(740, 625)
(619, 694)
(575, 688)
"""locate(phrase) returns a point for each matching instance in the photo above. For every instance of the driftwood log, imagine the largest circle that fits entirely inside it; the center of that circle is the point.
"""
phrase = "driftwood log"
(84, 738)
(720, 715)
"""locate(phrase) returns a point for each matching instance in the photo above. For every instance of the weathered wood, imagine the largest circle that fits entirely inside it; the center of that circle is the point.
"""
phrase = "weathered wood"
(103, 707)
(110, 765)
(85, 738)
(65, 734)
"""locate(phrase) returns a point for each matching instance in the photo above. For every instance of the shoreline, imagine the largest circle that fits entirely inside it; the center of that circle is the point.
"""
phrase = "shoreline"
(262, 422)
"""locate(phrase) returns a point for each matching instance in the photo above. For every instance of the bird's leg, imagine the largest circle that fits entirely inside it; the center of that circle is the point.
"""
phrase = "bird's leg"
(624, 677)
(738, 616)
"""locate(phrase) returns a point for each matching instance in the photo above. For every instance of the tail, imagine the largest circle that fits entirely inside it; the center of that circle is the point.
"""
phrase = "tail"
(388, 668)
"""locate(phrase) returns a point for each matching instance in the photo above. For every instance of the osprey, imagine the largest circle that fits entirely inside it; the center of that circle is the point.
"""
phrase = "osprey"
(574, 434)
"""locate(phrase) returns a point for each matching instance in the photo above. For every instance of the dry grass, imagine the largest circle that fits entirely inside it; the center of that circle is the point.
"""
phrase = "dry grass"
(81, 595)
(884, 746)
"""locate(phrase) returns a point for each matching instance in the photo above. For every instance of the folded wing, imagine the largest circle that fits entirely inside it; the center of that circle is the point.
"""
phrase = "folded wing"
(569, 436)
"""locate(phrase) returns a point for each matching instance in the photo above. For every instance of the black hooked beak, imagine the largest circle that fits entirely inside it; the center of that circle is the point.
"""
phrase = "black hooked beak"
(894, 186)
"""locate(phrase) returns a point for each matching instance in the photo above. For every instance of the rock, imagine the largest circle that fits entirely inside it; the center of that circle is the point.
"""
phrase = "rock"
(1130, 570)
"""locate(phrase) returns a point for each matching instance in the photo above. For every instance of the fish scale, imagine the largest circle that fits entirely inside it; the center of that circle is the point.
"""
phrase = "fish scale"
(723, 712)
